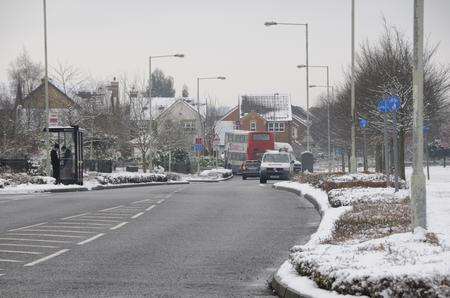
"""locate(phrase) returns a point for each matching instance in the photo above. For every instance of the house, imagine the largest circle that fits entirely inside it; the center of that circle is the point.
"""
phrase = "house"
(31, 109)
(177, 120)
(269, 112)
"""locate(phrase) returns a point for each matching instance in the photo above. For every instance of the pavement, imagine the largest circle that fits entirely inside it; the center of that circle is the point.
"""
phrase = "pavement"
(199, 240)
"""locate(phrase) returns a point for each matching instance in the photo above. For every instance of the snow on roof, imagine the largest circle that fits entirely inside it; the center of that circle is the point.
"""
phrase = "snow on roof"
(158, 105)
(280, 145)
(272, 107)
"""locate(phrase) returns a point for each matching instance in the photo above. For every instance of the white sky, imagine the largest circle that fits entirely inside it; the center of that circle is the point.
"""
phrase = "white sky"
(219, 37)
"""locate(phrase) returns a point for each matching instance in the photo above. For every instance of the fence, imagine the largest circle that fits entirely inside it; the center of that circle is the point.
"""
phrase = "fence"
(15, 165)
(103, 166)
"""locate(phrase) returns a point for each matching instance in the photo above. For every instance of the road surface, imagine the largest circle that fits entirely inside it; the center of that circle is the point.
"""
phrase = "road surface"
(197, 240)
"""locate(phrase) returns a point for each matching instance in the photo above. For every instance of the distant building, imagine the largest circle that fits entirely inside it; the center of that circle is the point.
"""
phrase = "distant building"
(178, 113)
(271, 112)
(62, 108)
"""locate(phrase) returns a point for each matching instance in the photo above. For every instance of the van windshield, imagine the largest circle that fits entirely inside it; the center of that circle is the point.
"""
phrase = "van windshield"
(276, 158)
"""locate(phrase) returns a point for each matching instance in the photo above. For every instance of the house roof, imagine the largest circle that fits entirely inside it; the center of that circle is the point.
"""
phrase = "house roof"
(160, 105)
(56, 98)
(272, 107)
(301, 116)
(228, 113)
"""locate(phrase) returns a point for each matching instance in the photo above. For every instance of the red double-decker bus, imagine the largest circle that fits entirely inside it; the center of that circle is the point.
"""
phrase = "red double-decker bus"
(241, 145)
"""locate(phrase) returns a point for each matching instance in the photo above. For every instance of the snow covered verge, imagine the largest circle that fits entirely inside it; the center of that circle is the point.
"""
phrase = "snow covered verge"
(215, 174)
(366, 248)
(31, 184)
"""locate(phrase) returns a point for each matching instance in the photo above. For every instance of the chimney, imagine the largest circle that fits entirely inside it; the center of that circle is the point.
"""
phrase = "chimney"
(114, 88)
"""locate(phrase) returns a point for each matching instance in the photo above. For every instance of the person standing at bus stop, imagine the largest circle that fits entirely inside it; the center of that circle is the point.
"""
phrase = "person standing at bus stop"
(55, 163)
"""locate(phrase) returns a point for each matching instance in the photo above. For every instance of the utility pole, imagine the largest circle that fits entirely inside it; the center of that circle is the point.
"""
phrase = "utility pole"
(353, 103)
(418, 186)
(47, 113)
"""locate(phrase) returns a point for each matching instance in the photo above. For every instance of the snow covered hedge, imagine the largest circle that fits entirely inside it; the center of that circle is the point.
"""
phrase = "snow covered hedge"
(216, 173)
(129, 177)
(358, 180)
(349, 196)
(364, 246)
(400, 265)
(13, 179)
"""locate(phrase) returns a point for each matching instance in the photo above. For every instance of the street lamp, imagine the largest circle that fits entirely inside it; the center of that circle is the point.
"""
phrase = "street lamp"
(47, 113)
(178, 55)
(272, 23)
(198, 107)
(353, 167)
(418, 186)
(328, 114)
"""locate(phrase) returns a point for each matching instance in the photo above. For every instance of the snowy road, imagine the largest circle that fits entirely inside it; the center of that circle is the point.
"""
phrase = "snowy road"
(220, 239)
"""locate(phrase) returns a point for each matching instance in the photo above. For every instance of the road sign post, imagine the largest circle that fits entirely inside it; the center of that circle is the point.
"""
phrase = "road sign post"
(363, 124)
(394, 105)
(426, 129)
(383, 108)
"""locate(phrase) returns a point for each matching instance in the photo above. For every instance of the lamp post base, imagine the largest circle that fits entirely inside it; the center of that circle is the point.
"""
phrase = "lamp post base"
(418, 199)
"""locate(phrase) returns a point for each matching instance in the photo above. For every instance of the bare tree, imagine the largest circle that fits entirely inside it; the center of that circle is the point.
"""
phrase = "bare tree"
(68, 77)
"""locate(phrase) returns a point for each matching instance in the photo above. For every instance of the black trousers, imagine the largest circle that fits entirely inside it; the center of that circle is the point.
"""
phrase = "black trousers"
(56, 173)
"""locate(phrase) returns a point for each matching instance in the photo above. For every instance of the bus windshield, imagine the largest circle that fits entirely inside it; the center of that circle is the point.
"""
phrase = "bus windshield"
(276, 158)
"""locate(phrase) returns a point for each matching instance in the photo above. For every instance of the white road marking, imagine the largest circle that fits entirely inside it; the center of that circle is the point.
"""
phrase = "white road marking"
(74, 216)
(45, 235)
(112, 208)
(103, 217)
(137, 215)
(127, 209)
(28, 245)
(63, 231)
(120, 213)
(146, 200)
(150, 208)
(96, 220)
(10, 261)
(21, 252)
(160, 201)
(34, 240)
(60, 252)
(79, 223)
(119, 225)
(71, 226)
(91, 239)
(168, 196)
(39, 224)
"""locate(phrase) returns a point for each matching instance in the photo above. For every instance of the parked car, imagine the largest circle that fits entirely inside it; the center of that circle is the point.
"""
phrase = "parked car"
(276, 165)
(250, 168)
(297, 166)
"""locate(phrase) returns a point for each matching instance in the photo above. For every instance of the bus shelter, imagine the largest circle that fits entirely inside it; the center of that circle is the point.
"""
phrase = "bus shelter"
(70, 141)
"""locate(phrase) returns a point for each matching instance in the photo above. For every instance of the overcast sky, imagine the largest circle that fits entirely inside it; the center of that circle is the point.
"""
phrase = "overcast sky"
(105, 38)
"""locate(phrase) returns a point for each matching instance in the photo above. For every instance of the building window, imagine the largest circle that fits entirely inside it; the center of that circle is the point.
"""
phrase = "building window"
(188, 126)
(276, 126)
(253, 126)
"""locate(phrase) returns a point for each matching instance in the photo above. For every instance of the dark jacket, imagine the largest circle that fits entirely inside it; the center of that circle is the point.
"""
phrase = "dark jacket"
(54, 158)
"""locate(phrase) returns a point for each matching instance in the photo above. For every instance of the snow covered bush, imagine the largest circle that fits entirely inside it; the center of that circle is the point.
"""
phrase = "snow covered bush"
(216, 173)
(348, 196)
(358, 180)
(127, 177)
(399, 265)
(11, 179)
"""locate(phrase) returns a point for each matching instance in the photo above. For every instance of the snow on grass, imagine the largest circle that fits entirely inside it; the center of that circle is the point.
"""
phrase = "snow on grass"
(349, 196)
(211, 175)
(375, 177)
(394, 265)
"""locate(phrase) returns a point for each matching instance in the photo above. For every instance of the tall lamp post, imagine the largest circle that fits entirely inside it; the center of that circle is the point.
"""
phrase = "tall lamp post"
(199, 131)
(418, 186)
(47, 113)
(307, 75)
(328, 117)
(352, 95)
(328, 106)
(150, 89)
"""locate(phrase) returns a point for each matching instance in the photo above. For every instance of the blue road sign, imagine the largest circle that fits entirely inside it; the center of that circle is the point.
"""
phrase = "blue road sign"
(394, 103)
(383, 106)
(426, 129)
(363, 122)
(338, 151)
(198, 147)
